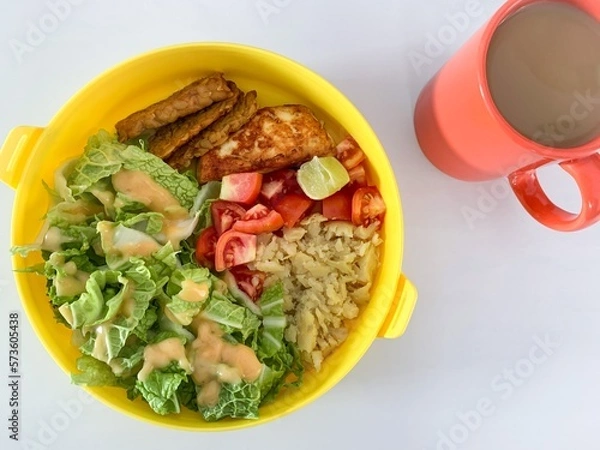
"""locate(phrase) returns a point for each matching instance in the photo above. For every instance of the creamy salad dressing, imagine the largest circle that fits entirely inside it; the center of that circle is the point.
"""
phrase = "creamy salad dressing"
(161, 354)
(177, 230)
(71, 285)
(107, 198)
(100, 350)
(216, 361)
(54, 239)
(60, 177)
(140, 186)
(69, 280)
(128, 305)
(65, 311)
(193, 292)
(190, 292)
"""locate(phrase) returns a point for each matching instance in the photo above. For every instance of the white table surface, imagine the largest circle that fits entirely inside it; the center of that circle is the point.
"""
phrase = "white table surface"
(490, 290)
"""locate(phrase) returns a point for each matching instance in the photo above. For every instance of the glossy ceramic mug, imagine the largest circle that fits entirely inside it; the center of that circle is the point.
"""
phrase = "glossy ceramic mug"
(462, 132)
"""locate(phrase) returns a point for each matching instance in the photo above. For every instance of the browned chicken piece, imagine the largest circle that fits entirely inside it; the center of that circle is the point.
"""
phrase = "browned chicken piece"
(192, 98)
(168, 138)
(217, 133)
(275, 137)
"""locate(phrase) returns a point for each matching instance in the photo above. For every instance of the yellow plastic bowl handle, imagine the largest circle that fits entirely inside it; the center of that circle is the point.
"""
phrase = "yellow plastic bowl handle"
(402, 308)
(15, 153)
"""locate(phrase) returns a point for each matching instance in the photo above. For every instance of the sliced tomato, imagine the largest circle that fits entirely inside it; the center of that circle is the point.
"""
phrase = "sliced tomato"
(367, 206)
(278, 183)
(292, 208)
(358, 175)
(349, 153)
(259, 219)
(339, 205)
(249, 281)
(225, 214)
(205, 247)
(241, 187)
(258, 211)
(234, 248)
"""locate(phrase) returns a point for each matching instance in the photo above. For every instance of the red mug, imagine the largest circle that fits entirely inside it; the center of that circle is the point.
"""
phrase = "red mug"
(462, 132)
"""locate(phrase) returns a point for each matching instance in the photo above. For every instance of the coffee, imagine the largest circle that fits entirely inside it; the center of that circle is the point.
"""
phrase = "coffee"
(543, 70)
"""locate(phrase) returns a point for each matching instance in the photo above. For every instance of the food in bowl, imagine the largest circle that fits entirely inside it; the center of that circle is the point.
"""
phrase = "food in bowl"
(170, 279)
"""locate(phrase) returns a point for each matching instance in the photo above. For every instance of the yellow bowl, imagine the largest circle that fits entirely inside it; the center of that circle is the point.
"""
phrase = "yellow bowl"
(31, 154)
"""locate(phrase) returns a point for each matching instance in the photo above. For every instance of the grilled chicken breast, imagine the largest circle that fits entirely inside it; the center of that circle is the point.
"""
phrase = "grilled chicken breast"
(275, 137)
(192, 98)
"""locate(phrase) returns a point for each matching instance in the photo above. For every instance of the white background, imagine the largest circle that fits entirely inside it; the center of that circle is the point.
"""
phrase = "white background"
(490, 288)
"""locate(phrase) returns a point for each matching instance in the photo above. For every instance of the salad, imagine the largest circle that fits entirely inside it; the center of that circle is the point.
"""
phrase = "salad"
(156, 272)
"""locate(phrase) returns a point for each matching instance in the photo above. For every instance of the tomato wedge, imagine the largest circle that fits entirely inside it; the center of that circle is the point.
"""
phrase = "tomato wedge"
(241, 187)
(258, 211)
(367, 206)
(358, 175)
(225, 214)
(249, 281)
(205, 247)
(292, 208)
(234, 248)
(259, 219)
(338, 206)
(349, 153)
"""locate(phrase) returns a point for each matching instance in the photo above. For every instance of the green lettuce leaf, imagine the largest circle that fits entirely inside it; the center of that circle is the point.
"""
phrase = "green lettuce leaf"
(270, 340)
(206, 196)
(162, 264)
(102, 192)
(187, 394)
(85, 261)
(101, 159)
(208, 191)
(235, 320)
(130, 358)
(125, 206)
(182, 310)
(78, 237)
(167, 334)
(93, 373)
(204, 216)
(117, 241)
(186, 254)
(80, 211)
(160, 388)
(286, 369)
(61, 189)
(104, 295)
(147, 222)
(67, 236)
(178, 330)
(143, 330)
(182, 188)
(239, 401)
(270, 381)
(108, 339)
(104, 156)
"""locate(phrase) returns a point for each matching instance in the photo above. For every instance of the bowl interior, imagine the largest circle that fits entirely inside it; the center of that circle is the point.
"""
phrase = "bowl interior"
(153, 76)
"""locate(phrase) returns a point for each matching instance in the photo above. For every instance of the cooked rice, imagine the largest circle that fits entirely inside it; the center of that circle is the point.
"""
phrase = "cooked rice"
(327, 269)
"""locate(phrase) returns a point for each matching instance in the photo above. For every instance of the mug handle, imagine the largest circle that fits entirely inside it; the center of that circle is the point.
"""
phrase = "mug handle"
(585, 171)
